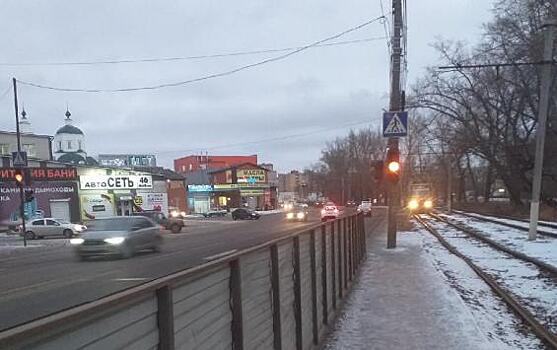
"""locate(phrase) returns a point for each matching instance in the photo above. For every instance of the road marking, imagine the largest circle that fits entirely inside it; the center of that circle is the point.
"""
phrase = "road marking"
(220, 255)
(130, 279)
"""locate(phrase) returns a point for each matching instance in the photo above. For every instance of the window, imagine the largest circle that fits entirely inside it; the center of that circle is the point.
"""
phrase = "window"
(59, 145)
(4, 148)
(30, 149)
(51, 223)
(38, 223)
(69, 143)
(79, 143)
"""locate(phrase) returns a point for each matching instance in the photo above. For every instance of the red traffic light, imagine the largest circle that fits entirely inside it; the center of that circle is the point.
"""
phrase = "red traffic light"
(19, 177)
(394, 167)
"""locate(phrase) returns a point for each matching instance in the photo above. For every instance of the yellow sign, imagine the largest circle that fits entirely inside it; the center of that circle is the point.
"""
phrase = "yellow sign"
(250, 175)
(138, 200)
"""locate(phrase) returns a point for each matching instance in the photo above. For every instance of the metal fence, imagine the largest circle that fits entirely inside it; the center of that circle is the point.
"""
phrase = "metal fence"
(279, 295)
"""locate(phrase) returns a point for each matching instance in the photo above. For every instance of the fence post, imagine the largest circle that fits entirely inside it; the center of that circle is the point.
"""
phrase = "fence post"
(236, 301)
(350, 248)
(275, 285)
(333, 268)
(340, 258)
(165, 318)
(345, 252)
(313, 262)
(324, 300)
(297, 293)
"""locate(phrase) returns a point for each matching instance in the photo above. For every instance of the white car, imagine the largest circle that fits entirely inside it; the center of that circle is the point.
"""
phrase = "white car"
(365, 208)
(49, 227)
(329, 211)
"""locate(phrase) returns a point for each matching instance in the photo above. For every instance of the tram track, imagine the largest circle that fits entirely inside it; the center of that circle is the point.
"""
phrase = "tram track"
(530, 312)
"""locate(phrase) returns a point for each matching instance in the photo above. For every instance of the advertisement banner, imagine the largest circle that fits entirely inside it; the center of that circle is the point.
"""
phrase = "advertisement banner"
(151, 201)
(128, 160)
(41, 174)
(44, 192)
(94, 206)
(251, 175)
(115, 182)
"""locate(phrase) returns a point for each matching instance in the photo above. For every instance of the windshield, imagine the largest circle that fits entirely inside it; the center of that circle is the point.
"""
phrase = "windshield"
(113, 224)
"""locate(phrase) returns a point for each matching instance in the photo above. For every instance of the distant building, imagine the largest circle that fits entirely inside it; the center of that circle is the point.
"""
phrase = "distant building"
(127, 160)
(69, 144)
(199, 162)
(38, 147)
(293, 182)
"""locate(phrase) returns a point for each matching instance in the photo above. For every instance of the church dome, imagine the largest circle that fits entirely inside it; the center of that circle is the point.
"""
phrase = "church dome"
(69, 128)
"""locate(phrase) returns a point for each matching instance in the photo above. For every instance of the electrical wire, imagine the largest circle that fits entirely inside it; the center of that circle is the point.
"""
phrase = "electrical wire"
(210, 76)
(183, 58)
(275, 139)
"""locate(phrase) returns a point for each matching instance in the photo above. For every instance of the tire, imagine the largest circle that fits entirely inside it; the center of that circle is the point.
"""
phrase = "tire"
(234, 218)
(126, 251)
(30, 235)
(175, 228)
(67, 233)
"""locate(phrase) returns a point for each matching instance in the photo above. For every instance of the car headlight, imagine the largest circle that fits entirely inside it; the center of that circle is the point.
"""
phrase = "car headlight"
(79, 228)
(300, 215)
(76, 241)
(428, 204)
(115, 240)
(413, 204)
(183, 213)
(290, 215)
(174, 214)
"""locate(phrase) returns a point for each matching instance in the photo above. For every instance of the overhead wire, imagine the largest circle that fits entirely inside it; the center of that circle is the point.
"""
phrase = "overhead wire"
(206, 77)
(182, 58)
(274, 139)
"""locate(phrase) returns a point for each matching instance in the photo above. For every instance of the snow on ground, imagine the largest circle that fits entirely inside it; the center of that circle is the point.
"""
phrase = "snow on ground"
(516, 222)
(543, 248)
(419, 296)
(491, 314)
(524, 280)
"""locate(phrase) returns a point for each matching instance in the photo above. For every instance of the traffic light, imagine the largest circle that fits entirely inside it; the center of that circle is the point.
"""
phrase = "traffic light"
(19, 177)
(392, 166)
(29, 195)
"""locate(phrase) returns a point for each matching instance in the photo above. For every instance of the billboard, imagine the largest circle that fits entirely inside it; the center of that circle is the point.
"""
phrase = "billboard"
(128, 160)
(251, 175)
(115, 182)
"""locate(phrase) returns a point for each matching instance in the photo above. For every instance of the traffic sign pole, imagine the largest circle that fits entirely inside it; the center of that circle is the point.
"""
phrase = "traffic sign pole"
(18, 136)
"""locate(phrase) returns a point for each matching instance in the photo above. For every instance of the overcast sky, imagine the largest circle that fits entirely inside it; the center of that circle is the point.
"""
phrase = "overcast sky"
(319, 94)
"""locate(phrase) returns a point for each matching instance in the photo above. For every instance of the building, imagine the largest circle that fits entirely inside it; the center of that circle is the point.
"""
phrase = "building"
(69, 144)
(175, 189)
(293, 182)
(38, 147)
(199, 162)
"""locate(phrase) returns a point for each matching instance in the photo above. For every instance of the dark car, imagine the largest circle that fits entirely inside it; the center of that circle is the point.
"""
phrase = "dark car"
(120, 235)
(244, 214)
(173, 224)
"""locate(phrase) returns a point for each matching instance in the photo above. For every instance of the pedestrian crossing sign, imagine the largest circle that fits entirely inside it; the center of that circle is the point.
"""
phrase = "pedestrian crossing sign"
(395, 124)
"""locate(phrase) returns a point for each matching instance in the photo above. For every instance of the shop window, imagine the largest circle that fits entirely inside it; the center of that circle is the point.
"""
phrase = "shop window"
(4, 148)
(30, 149)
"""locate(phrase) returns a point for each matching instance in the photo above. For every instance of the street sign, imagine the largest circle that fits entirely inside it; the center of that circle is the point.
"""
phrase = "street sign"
(19, 159)
(395, 124)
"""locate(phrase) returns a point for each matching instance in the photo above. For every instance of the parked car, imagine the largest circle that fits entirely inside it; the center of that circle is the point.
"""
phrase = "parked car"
(174, 224)
(120, 235)
(298, 213)
(50, 227)
(215, 212)
(244, 214)
(329, 211)
(365, 208)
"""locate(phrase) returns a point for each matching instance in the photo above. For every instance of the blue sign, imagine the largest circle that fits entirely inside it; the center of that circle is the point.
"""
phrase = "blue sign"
(19, 159)
(200, 188)
(395, 124)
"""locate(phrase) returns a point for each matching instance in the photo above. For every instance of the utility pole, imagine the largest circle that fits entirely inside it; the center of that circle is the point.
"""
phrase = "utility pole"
(543, 108)
(394, 106)
(449, 187)
(18, 136)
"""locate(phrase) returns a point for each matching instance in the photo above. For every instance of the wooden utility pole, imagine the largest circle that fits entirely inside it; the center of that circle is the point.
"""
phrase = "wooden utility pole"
(543, 108)
(394, 106)
(20, 186)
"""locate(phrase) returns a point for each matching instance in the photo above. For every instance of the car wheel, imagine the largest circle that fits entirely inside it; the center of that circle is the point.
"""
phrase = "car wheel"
(67, 233)
(30, 235)
(126, 251)
(234, 218)
(175, 228)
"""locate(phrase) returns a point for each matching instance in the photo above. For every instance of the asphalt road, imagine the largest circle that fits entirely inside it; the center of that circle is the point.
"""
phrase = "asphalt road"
(35, 282)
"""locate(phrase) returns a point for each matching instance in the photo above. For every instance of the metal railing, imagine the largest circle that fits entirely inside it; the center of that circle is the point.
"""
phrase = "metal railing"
(282, 294)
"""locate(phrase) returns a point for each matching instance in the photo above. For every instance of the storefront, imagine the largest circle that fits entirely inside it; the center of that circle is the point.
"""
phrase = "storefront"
(51, 192)
(109, 192)
(199, 198)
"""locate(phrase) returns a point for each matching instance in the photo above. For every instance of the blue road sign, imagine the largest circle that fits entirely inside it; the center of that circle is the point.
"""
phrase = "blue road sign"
(19, 159)
(395, 124)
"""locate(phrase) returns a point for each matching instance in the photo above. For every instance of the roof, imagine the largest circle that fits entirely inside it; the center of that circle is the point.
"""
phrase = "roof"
(69, 129)
(165, 173)
(73, 158)
(25, 134)
(213, 171)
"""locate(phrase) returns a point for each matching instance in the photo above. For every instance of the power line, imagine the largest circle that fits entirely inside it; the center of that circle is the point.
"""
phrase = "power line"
(275, 139)
(210, 76)
(182, 58)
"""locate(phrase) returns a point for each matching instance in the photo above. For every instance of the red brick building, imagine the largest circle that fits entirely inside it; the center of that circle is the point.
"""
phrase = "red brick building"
(198, 162)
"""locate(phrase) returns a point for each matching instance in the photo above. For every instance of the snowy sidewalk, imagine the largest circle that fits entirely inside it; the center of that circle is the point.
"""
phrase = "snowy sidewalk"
(401, 301)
